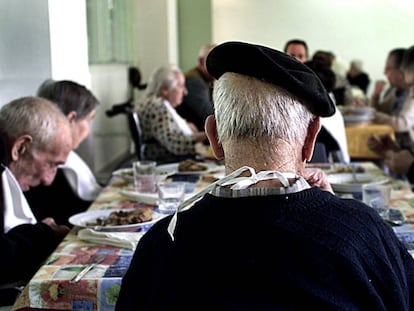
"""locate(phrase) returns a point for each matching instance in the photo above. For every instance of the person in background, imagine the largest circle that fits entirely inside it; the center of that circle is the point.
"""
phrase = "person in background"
(167, 136)
(391, 100)
(357, 77)
(197, 103)
(263, 234)
(298, 49)
(74, 187)
(399, 70)
(332, 134)
(342, 90)
(399, 155)
(35, 139)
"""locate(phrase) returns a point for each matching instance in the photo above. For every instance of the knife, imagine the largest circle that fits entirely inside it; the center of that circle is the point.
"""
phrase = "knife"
(88, 268)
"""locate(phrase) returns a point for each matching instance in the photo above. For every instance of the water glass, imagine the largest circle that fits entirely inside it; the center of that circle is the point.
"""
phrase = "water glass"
(170, 196)
(144, 176)
(378, 197)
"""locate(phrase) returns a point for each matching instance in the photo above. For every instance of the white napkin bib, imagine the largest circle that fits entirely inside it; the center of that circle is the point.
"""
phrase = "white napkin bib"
(182, 123)
(80, 177)
(16, 208)
(239, 183)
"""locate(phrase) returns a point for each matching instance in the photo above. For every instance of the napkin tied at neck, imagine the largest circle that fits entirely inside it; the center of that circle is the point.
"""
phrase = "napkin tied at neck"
(238, 182)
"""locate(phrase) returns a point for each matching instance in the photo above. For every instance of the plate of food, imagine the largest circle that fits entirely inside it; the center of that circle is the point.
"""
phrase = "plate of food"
(190, 167)
(350, 183)
(150, 198)
(131, 219)
(162, 172)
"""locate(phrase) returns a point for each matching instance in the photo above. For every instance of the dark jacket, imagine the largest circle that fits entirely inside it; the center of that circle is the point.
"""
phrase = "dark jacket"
(57, 200)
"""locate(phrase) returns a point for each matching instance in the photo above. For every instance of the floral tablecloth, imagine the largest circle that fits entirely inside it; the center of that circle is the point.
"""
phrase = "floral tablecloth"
(50, 288)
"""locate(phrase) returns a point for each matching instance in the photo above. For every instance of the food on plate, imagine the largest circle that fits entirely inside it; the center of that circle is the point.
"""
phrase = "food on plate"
(191, 166)
(347, 169)
(126, 173)
(127, 217)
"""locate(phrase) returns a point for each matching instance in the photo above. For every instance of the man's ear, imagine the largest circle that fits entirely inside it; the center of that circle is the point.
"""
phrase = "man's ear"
(20, 146)
(308, 146)
(211, 131)
(71, 116)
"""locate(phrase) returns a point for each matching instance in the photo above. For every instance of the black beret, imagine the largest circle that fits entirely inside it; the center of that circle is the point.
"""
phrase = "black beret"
(274, 67)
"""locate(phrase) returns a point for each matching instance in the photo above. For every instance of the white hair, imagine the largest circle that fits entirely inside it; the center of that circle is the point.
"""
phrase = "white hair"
(248, 108)
(165, 76)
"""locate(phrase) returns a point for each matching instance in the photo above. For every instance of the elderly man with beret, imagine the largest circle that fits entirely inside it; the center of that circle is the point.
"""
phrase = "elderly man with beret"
(264, 237)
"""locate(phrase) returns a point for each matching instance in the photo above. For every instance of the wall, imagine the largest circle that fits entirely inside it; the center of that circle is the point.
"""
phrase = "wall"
(364, 29)
(24, 59)
(156, 42)
(40, 39)
(194, 30)
(110, 141)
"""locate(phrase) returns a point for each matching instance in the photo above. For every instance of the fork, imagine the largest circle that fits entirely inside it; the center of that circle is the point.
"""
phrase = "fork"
(88, 268)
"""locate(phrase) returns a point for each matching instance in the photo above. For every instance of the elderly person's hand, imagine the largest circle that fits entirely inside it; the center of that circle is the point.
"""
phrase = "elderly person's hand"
(382, 118)
(379, 87)
(382, 144)
(317, 178)
(60, 231)
(399, 162)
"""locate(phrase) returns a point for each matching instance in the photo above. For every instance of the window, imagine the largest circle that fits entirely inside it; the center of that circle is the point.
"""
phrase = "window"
(111, 31)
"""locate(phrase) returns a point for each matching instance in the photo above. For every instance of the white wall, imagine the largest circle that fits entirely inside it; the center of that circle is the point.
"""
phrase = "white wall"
(157, 34)
(24, 59)
(69, 41)
(363, 29)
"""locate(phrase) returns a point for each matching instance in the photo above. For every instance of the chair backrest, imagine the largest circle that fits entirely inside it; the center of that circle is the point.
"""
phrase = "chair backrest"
(136, 133)
(319, 154)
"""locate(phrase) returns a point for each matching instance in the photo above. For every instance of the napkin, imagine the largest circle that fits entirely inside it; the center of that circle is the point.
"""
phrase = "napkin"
(121, 239)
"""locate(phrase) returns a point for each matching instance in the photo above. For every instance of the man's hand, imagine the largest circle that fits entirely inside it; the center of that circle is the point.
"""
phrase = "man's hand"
(317, 178)
(399, 162)
(60, 230)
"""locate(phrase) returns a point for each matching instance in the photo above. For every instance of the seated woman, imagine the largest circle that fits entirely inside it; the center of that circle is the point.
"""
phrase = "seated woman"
(74, 187)
(167, 136)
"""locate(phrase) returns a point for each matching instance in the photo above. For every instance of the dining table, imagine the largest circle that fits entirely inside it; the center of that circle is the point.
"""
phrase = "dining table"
(55, 286)
(357, 135)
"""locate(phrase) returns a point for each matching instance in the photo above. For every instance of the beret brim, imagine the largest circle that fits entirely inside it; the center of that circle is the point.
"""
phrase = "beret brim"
(274, 67)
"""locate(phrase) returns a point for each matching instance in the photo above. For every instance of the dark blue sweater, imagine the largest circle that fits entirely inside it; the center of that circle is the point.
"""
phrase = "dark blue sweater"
(304, 251)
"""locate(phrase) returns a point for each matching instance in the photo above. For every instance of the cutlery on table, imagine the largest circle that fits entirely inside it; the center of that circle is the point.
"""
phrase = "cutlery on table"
(88, 268)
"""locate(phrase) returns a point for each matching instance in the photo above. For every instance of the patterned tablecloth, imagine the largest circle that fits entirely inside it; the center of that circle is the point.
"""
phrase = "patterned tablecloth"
(51, 289)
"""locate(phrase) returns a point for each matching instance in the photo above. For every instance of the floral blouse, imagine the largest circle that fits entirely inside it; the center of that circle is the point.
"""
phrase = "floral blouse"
(164, 139)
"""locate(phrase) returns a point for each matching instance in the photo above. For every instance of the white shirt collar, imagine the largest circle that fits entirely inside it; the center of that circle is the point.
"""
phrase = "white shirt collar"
(80, 177)
(16, 208)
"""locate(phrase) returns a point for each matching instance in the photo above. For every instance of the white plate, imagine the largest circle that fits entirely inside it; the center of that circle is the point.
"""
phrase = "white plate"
(357, 114)
(343, 182)
(358, 119)
(162, 172)
(174, 166)
(82, 220)
(147, 198)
